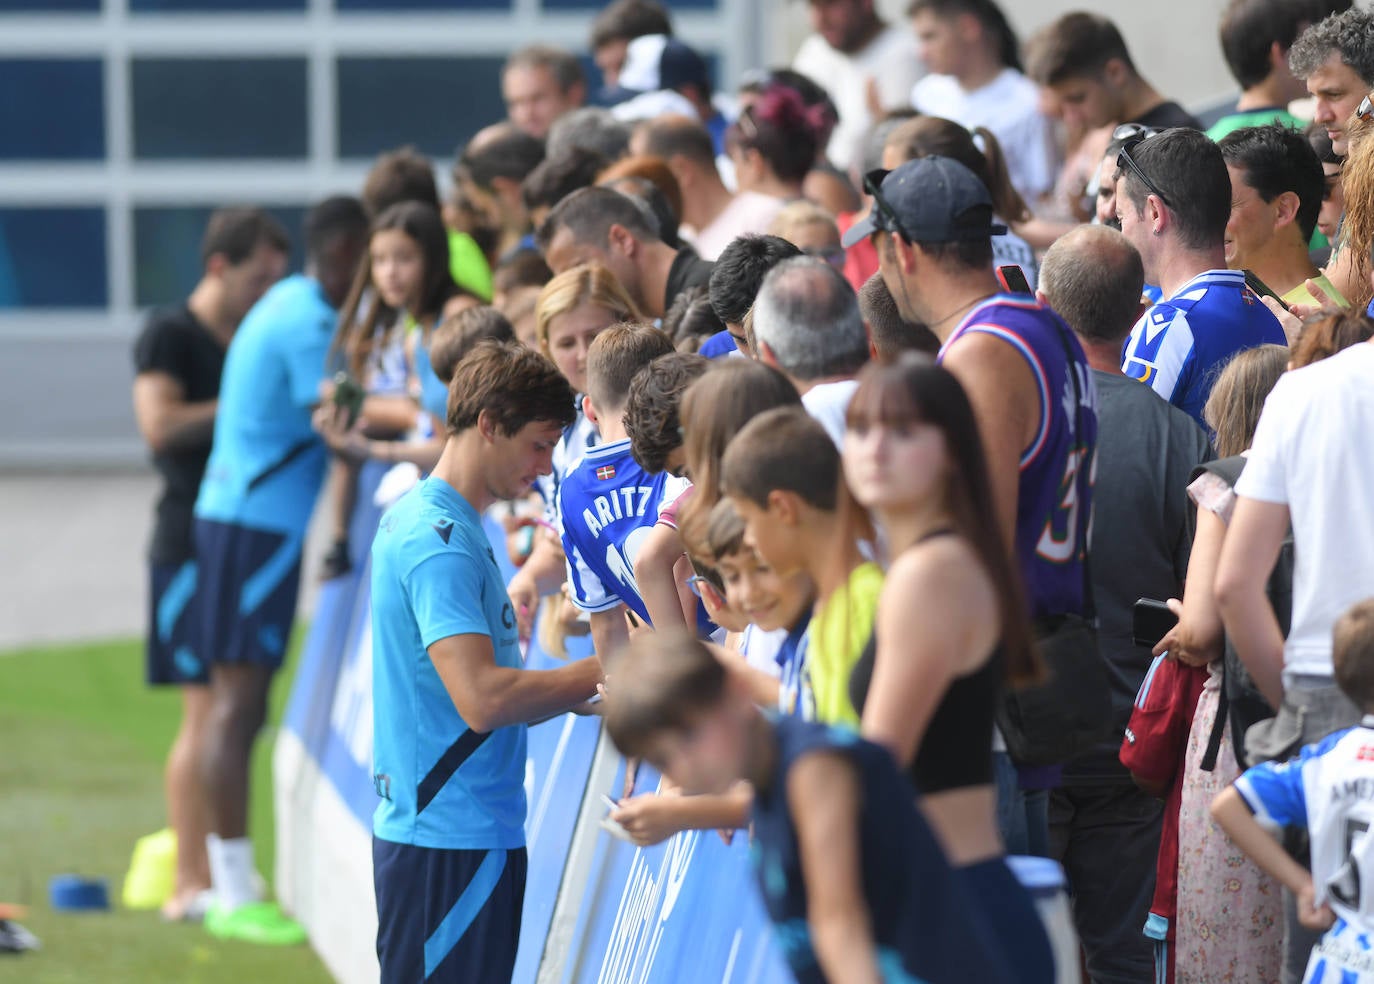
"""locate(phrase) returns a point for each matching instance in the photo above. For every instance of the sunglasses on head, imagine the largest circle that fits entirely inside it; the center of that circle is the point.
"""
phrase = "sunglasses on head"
(1365, 111)
(1124, 162)
(885, 217)
(1128, 130)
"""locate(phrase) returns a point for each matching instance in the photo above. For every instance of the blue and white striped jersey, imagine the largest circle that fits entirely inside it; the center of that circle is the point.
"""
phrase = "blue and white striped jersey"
(607, 506)
(1180, 345)
(1329, 789)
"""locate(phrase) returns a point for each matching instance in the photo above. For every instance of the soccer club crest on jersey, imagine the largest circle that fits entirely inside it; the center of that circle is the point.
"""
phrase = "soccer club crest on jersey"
(605, 473)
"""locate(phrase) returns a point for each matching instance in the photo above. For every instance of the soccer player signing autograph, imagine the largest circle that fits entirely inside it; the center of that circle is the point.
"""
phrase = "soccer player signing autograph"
(451, 700)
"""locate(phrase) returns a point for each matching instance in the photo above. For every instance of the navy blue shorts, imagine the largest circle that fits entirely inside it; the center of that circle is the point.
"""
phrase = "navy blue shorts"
(170, 659)
(445, 915)
(246, 596)
(1011, 915)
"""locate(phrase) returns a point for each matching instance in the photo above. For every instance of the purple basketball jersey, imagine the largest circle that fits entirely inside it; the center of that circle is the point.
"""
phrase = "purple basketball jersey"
(1054, 499)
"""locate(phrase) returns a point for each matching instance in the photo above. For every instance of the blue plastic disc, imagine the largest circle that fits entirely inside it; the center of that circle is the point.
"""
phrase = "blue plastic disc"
(72, 893)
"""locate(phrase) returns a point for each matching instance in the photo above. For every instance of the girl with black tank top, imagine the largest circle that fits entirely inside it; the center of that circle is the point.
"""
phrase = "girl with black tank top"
(951, 627)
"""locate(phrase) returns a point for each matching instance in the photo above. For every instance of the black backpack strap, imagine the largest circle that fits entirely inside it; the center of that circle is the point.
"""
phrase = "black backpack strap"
(1209, 757)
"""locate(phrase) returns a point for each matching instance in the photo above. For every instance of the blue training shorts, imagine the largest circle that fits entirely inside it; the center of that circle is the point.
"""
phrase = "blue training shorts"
(246, 597)
(447, 915)
(171, 596)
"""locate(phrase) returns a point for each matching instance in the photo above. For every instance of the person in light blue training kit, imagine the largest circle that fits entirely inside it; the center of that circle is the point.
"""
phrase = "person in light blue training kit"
(255, 501)
(450, 697)
(1173, 197)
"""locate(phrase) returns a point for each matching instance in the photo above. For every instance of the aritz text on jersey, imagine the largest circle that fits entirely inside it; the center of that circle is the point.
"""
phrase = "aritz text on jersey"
(617, 504)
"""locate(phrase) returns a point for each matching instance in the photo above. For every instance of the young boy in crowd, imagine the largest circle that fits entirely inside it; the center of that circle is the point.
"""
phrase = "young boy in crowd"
(851, 875)
(770, 659)
(777, 609)
(608, 503)
(782, 472)
(1328, 789)
(654, 425)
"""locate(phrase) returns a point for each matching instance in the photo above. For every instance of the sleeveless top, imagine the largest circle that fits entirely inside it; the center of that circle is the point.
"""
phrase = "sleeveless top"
(925, 925)
(1054, 495)
(956, 751)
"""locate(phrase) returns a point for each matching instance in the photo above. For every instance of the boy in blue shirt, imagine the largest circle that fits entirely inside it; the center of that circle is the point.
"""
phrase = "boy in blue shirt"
(251, 514)
(1329, 790)
(608, 504)
(850, 873)
(450, 697)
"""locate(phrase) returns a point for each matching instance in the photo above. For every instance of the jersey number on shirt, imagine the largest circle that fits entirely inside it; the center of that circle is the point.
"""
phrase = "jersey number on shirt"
(1345, 884)
(1059, 539)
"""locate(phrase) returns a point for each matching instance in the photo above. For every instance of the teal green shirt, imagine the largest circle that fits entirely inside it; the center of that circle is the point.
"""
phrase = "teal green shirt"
(1254, 117)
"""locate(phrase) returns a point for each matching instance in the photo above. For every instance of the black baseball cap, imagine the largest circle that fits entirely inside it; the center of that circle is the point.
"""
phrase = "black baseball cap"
(927, 200)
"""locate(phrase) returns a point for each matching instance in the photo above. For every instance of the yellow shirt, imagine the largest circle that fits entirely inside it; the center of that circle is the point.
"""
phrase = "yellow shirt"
(838, 634)
(1300, 294)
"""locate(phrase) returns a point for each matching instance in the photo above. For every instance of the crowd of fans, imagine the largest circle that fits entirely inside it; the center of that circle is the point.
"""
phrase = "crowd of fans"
(915, 393)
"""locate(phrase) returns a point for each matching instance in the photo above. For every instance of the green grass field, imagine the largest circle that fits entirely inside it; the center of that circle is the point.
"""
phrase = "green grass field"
(82, 742)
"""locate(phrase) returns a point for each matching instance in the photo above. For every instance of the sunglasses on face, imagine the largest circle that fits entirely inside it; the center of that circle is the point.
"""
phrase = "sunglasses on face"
(1124, 162)
(883, 213)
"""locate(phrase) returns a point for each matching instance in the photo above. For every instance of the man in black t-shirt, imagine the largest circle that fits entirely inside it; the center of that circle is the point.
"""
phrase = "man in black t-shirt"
(177, 360)
(598, 225)
(1081, 59)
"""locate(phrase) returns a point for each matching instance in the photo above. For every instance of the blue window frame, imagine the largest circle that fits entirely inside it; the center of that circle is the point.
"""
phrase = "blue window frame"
(188, 108)
(67, 123)
(167, 248)
(434, 103)
(53, 258)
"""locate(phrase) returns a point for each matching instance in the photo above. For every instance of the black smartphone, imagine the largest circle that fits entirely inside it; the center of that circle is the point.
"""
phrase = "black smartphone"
(1151, 621)
(349, 395)
(1013, 279)
(1260, 287)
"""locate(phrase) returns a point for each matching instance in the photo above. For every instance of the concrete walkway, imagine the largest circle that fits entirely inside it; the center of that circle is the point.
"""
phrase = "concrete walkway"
(72, 562)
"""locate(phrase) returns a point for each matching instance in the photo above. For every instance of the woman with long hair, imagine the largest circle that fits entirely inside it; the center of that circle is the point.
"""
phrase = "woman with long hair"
(951, 630)
(774, 143)
(979, 151)
(1214, 876)
(399, 294)
(573, 308)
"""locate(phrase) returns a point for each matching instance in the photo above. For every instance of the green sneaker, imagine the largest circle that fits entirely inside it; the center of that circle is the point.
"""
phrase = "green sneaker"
(257, 922)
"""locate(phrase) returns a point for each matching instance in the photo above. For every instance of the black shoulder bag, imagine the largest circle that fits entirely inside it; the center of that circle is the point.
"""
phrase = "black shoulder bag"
(1070, 713)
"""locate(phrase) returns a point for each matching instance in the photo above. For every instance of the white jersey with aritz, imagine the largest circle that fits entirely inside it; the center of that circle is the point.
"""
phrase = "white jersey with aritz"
(607, 506)
(1329, 789)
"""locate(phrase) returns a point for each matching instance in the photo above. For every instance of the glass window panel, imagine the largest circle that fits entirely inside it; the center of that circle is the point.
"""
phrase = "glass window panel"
(67, 123)
(226, 107)
(433, 103)
(361, 5)
(186, 6)
(53, 258)
(593, 5)
(49, 6)
(167, 239)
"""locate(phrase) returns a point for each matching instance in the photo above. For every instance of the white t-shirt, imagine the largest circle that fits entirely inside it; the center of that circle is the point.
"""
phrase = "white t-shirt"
(748, 212)
(760, 649)
(1009, 249)
(890, 59)
(1009, 106)
(827, 403)
(1314, 452)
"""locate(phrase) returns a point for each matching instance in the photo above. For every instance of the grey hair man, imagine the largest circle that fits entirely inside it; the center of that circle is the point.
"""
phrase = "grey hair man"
(807, 324)
(1140, 540)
